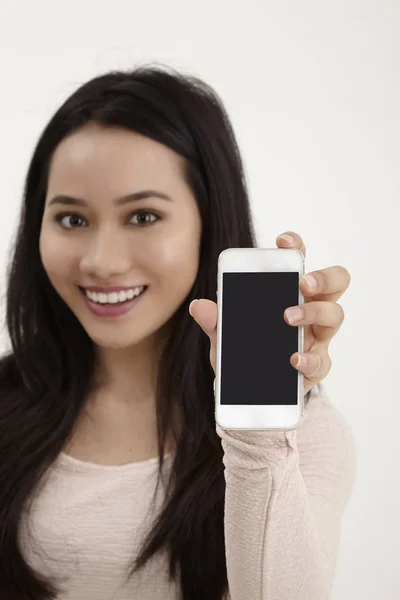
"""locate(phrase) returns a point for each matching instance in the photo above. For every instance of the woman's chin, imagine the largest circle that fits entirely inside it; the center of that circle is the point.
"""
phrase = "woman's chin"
(111, 342)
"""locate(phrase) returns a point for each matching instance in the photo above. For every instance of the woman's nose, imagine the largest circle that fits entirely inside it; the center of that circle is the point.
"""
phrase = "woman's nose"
(105, 257)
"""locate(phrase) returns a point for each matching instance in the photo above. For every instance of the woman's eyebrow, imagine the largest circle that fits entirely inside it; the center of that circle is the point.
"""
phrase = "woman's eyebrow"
(71, 201)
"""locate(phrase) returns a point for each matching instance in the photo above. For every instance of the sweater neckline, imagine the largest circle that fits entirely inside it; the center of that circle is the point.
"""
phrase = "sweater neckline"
(70, 463)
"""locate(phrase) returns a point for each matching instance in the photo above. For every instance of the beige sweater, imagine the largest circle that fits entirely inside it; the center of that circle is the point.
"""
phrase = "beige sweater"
(285, 496)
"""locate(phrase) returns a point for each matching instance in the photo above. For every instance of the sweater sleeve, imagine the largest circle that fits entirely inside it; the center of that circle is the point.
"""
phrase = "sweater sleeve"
(285, 496)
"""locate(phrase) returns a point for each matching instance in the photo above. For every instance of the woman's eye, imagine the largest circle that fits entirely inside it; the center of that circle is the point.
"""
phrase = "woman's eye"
(142, 217)
(69, 221)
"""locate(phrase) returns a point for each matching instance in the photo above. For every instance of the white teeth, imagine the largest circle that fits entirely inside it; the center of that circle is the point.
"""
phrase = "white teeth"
(115, 297)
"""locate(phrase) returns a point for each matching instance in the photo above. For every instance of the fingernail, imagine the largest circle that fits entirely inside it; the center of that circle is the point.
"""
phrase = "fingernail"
(287, 237)
(191, 304)
(312, 282)
(302, 360)
(294, 314)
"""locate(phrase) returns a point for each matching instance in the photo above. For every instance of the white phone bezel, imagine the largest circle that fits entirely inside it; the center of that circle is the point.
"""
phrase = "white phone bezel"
(258, 417)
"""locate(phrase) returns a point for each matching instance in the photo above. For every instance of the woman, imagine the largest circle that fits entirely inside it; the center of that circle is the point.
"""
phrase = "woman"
(134, 188)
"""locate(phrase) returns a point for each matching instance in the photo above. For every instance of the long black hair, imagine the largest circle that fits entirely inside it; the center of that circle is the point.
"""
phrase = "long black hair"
(46, 376)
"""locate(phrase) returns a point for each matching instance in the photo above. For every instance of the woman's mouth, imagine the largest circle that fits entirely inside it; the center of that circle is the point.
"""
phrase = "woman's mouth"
(114, 304)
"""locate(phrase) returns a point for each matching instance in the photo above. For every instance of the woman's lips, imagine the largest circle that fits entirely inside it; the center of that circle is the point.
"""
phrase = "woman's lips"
(112, 310)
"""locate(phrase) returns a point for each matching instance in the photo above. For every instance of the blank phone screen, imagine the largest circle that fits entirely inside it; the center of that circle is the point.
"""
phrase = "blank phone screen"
(256, 341)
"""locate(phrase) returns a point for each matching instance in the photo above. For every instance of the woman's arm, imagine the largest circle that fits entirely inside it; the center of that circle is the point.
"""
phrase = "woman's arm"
(285, 496)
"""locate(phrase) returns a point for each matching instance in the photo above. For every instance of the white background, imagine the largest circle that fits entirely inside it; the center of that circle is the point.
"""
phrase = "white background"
(313, 91)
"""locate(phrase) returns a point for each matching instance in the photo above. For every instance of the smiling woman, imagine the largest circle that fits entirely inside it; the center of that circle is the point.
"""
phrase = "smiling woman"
(104, 244)
(108, 390)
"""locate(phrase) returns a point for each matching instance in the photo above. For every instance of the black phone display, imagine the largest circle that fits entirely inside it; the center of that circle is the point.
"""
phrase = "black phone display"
(256, 341)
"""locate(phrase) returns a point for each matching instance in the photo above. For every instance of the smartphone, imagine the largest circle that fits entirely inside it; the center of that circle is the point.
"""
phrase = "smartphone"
(255, 386)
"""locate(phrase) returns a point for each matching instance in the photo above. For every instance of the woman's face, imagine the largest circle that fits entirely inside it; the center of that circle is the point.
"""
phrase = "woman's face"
(100, 242)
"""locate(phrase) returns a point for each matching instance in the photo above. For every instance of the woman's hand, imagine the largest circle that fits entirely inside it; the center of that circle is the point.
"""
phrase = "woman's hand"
(322, 317)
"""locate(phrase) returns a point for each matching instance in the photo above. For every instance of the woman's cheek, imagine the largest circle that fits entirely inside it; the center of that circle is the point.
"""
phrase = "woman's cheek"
(176, 257)
(57, 257)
